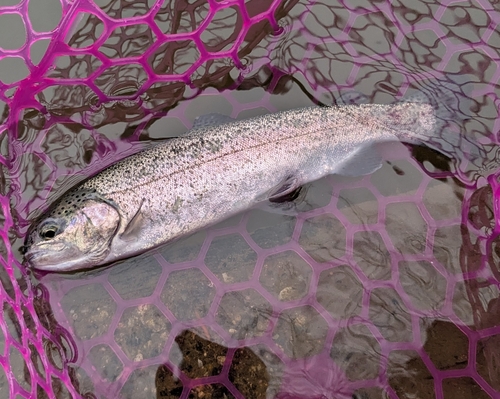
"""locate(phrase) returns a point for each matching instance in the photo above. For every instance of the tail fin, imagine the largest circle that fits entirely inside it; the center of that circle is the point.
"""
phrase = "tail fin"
(451, 102)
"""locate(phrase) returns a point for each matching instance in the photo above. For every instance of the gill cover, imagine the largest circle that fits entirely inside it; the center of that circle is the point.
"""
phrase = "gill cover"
(77, 239)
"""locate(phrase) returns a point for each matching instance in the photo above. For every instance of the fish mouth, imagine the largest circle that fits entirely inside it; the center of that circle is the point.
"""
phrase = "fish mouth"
(31, 255)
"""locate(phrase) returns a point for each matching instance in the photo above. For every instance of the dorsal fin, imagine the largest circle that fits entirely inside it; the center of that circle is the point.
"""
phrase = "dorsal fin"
(212, 119)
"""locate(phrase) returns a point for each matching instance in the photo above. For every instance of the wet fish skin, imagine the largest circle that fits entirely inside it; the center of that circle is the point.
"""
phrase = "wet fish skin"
(211, 173)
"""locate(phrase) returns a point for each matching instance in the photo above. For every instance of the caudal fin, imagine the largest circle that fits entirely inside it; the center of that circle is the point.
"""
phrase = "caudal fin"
(451, 101)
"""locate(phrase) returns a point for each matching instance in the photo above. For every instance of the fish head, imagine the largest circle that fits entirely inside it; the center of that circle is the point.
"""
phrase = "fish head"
(76, 234)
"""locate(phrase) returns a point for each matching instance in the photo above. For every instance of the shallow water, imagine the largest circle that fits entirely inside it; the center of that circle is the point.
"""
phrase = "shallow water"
(380, 286)
(352, 293)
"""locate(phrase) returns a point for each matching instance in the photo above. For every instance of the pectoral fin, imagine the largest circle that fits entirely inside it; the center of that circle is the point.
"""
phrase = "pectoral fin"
(134, 226)
(363, 161)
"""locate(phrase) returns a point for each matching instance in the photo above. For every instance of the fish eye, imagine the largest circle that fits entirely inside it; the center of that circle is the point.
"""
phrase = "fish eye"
(49, 231)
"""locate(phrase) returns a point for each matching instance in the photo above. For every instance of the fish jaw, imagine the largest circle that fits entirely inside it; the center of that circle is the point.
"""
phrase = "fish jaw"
(61, 259)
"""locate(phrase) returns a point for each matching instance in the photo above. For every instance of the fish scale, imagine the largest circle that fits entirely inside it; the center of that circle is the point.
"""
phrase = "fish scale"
(212, 173)
(176, 154)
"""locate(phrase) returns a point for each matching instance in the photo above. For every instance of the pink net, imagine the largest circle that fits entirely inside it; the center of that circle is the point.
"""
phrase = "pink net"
(381, 286)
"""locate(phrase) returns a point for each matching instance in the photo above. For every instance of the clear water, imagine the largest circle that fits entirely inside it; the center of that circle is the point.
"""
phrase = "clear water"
(380, 286)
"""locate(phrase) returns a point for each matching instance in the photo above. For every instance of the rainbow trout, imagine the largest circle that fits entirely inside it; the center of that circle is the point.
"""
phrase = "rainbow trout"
(213, 172)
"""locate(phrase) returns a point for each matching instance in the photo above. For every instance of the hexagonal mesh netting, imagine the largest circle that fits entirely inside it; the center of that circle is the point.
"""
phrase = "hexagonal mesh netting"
(381, 286)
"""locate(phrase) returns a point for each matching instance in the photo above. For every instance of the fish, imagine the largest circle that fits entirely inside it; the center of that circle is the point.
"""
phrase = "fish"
(217, 170)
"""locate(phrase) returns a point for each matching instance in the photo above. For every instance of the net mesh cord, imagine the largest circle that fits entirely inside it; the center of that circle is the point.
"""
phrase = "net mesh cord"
(101, 80)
